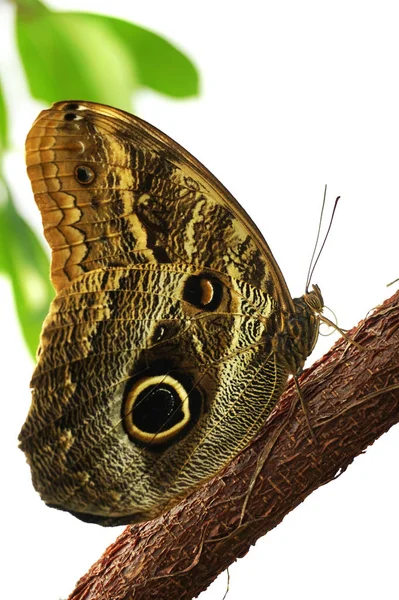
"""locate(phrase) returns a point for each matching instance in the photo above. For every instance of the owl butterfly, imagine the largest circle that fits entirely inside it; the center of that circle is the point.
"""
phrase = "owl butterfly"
(172, 333)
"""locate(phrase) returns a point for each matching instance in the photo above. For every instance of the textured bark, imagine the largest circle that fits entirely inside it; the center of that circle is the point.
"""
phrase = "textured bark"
(352, 396)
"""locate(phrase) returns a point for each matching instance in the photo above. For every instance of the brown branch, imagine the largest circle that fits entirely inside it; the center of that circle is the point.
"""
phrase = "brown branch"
(352, 397)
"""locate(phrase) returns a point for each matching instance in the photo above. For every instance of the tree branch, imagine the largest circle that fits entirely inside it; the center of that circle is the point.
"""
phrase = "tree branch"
(352, 396)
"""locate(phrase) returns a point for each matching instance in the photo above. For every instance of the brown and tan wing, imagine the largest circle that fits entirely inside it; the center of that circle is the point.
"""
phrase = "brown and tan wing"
(115, 191)
(172, 333)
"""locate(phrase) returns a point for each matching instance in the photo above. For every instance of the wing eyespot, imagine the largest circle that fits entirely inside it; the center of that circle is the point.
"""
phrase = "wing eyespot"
(159, 333)
(72, 106)
(203, 292)
(84, 175)
(156, 409)
(165, 330)
(70, 116)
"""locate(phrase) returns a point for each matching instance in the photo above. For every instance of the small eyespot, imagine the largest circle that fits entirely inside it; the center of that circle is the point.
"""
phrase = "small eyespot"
(156, 409)
(84, 175)
(159, 333)
(72, 106)
(165, 330)
(203, 292)
(72, 117)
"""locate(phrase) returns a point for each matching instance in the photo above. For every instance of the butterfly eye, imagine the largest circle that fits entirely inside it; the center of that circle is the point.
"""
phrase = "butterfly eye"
(84, 175)
(156, 409)
(203, 292)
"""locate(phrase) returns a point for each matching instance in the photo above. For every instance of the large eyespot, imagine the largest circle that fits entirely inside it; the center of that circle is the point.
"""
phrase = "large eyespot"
(203, 291)
(84, 175)
(156, 409)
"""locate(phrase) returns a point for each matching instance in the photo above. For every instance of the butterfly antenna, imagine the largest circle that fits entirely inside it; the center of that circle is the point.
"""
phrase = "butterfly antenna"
(317, 238)
(314, 261)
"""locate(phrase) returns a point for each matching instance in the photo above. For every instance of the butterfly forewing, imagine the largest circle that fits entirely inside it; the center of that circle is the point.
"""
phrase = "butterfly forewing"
(112, 188)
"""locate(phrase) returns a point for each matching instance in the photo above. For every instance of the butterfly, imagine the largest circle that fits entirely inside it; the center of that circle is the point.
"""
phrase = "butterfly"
(172, 332)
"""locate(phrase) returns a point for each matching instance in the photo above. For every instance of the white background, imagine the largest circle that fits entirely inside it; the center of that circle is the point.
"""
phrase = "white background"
(294, 95)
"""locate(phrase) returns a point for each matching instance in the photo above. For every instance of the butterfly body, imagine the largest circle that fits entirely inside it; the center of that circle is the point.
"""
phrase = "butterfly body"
(172, 333)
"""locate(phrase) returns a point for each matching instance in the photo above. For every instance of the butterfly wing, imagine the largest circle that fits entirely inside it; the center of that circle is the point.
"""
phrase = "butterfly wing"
(158, 360)
(113, 189)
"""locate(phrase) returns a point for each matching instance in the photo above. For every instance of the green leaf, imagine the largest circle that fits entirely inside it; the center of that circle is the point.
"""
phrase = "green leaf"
(160, 65)
(3, 122)
(3, 200)
(98, 58)
(66, 56)
(24, 261)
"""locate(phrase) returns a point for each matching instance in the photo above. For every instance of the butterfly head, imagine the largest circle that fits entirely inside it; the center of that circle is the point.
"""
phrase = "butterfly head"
(314, 299)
